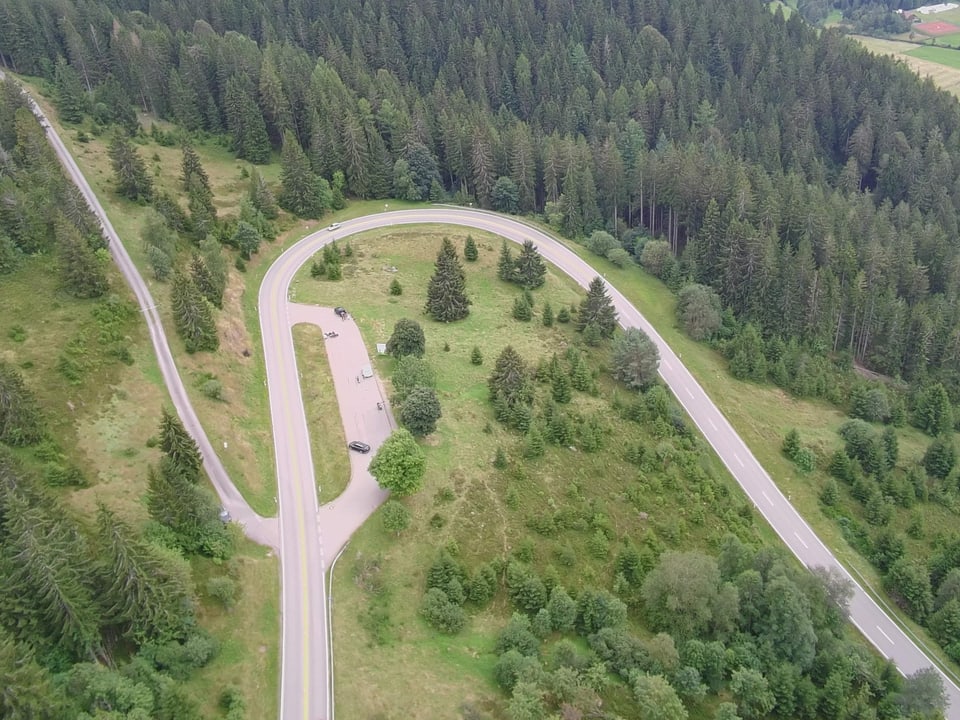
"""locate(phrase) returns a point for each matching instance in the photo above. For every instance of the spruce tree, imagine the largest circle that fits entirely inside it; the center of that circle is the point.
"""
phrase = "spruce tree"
(216, 265)
(196, 183)
(20, 420)
(580, 377)
(140, 595)
(597, 309)
(521, 309)
(129, 170)
(246, 239)
(27, 688)
(188, 509)
(245, 121)
(192, 315)
(262, 196)
(529, 270)
(44, 590)
(202, 278)
(83, 271)
(470, 252)
(191, 167)
(298, 184)
(560, 386)
(446, 294)
(71, 98)
(547, 314)
(505, 265)
(179, 446)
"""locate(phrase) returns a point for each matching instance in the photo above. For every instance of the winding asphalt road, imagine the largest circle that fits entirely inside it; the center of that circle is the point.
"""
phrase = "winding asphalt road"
(311, 537)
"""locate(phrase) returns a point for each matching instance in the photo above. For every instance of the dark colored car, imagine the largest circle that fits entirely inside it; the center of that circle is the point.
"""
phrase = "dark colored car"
(360, 447)
(342, 312)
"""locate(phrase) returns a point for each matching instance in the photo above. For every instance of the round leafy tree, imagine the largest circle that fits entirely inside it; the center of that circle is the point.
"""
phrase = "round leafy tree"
(407, 339)
(420, 411)
(399, 464)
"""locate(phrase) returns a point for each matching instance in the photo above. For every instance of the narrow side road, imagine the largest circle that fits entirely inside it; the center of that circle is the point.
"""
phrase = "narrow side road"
(259, 529)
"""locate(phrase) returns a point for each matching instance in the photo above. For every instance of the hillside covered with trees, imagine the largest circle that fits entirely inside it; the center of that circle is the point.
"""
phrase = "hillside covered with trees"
(833, 173)
(801, 194)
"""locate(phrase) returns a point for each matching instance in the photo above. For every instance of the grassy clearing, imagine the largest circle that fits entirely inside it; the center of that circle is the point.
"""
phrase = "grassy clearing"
(945, 77)
(380, 643)
(247, 634)
(331, 466)
(940, 55)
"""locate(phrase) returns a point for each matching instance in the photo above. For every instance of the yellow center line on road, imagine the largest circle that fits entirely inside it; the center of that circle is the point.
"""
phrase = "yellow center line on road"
(281, 327)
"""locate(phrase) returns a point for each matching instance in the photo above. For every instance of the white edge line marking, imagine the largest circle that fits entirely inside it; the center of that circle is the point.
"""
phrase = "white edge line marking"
(885, 635)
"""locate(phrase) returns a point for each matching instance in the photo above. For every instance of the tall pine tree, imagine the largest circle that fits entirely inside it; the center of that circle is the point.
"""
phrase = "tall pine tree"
(83, 270)
(447, 292)
(179, 446)
(141, 595)
(596, 309)
(300, 191)
(192, 315)
(529, 270)
(129, 170)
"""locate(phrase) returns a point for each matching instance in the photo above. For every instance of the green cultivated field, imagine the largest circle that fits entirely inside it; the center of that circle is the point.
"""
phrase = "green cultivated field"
(945, 77)
(940, 55)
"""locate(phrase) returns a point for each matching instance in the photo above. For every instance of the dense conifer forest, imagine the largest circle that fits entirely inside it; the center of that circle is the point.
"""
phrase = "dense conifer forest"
(814, 186)
(805, 190)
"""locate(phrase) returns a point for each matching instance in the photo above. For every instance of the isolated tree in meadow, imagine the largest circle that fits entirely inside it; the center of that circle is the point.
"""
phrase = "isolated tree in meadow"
(407, 339)
(421, 411)
(635, 359)
(396, 517)
(129, 169)
(447, 299)
(470, 252)
(179, 446)
(505, 265)
(399, 464)
(411, 372)
(395, 287)
(597, 309)
(521, 309)
(20, 420)
(191, 167)
(547, 317)
(192, 315)
(529, 270)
